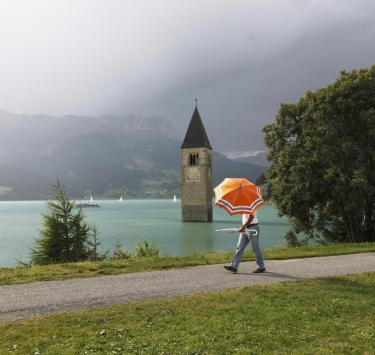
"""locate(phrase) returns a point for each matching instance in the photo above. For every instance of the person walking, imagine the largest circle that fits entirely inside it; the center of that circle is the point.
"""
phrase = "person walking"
(249, 232)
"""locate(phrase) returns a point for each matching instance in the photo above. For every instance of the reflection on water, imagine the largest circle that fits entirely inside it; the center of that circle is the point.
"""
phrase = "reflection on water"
(133, 221)
(196, 237)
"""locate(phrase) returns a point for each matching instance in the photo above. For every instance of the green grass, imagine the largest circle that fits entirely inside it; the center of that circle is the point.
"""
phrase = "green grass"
(9, 276)
(324, 316)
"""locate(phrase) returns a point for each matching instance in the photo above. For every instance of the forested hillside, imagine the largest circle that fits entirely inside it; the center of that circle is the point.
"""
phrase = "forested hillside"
(105, 157)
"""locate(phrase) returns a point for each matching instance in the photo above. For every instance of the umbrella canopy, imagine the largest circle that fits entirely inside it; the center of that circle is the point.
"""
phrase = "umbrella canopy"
(238, 196)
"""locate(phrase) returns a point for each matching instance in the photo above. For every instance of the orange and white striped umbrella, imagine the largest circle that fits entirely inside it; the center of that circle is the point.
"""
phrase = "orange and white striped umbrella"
(238, 196)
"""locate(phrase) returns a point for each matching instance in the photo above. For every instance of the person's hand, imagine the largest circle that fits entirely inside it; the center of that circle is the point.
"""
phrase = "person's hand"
(242, 229)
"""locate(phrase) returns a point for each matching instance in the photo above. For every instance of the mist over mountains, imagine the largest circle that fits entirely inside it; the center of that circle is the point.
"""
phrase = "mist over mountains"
(105, 157)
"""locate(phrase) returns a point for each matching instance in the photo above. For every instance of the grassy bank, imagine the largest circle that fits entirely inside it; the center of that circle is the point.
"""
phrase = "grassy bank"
(333, 315)
(9, 276)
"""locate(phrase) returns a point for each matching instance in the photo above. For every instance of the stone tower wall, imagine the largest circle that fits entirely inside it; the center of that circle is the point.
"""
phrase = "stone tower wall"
(196, 185)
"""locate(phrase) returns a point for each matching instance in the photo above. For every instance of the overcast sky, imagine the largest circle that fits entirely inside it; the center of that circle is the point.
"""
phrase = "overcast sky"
(152, 57)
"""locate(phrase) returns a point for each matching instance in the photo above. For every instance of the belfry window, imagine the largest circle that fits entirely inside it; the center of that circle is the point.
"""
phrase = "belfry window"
(193, 159)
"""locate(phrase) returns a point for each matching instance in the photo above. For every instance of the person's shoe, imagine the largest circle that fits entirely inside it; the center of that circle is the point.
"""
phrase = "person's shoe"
(230, 268)
(259, 270)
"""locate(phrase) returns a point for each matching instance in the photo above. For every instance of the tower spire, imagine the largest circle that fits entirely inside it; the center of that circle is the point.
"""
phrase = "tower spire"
(196, 136)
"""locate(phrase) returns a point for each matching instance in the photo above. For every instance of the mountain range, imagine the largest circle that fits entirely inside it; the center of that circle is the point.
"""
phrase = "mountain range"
(105, 157)
(259, 159)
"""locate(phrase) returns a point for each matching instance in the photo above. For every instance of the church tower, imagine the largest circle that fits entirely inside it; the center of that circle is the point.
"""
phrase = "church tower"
(196, 173)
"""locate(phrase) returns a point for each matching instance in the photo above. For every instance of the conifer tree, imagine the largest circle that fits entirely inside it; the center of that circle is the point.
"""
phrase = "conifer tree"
(65, 233)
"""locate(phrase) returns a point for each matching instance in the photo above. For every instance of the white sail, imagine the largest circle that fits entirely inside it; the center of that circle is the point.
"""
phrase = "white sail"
(91, 199)
(174, 198)
(120, 199)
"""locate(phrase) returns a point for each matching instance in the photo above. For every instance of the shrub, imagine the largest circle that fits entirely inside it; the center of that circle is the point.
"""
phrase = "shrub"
(120, 253)
(147, 249)
(293, 241)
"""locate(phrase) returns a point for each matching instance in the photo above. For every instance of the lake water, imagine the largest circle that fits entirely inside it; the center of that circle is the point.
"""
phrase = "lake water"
(132, 221)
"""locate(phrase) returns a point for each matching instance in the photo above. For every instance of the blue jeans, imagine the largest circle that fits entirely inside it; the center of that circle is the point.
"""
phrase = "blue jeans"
(244, 239)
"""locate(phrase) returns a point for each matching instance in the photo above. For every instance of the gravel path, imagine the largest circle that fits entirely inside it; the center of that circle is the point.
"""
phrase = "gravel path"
(25, 301)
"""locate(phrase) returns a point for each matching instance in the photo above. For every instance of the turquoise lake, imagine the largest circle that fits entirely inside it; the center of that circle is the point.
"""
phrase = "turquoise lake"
(132, 221)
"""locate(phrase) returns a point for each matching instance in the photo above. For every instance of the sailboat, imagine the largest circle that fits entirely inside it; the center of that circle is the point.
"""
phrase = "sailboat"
(174, 199)
(120, 200)
(87, 204)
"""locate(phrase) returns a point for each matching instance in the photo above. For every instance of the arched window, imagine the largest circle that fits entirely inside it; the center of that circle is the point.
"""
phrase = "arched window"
(193, 159)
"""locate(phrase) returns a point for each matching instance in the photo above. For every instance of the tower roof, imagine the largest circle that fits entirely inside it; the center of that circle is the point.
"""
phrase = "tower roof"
(196, 136)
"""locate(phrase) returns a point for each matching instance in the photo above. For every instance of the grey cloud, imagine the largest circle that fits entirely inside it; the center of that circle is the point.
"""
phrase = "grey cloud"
(242, 58)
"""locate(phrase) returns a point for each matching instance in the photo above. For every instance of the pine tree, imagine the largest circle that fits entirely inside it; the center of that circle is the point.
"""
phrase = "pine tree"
(65, 234)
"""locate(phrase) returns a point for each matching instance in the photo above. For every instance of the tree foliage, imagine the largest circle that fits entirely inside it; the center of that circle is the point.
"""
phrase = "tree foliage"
(65, 235)
(323, 153)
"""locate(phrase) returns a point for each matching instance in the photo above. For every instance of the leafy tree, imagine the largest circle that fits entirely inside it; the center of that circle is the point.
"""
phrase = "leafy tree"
(323, 153)
(65, 235)
(265, 187)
